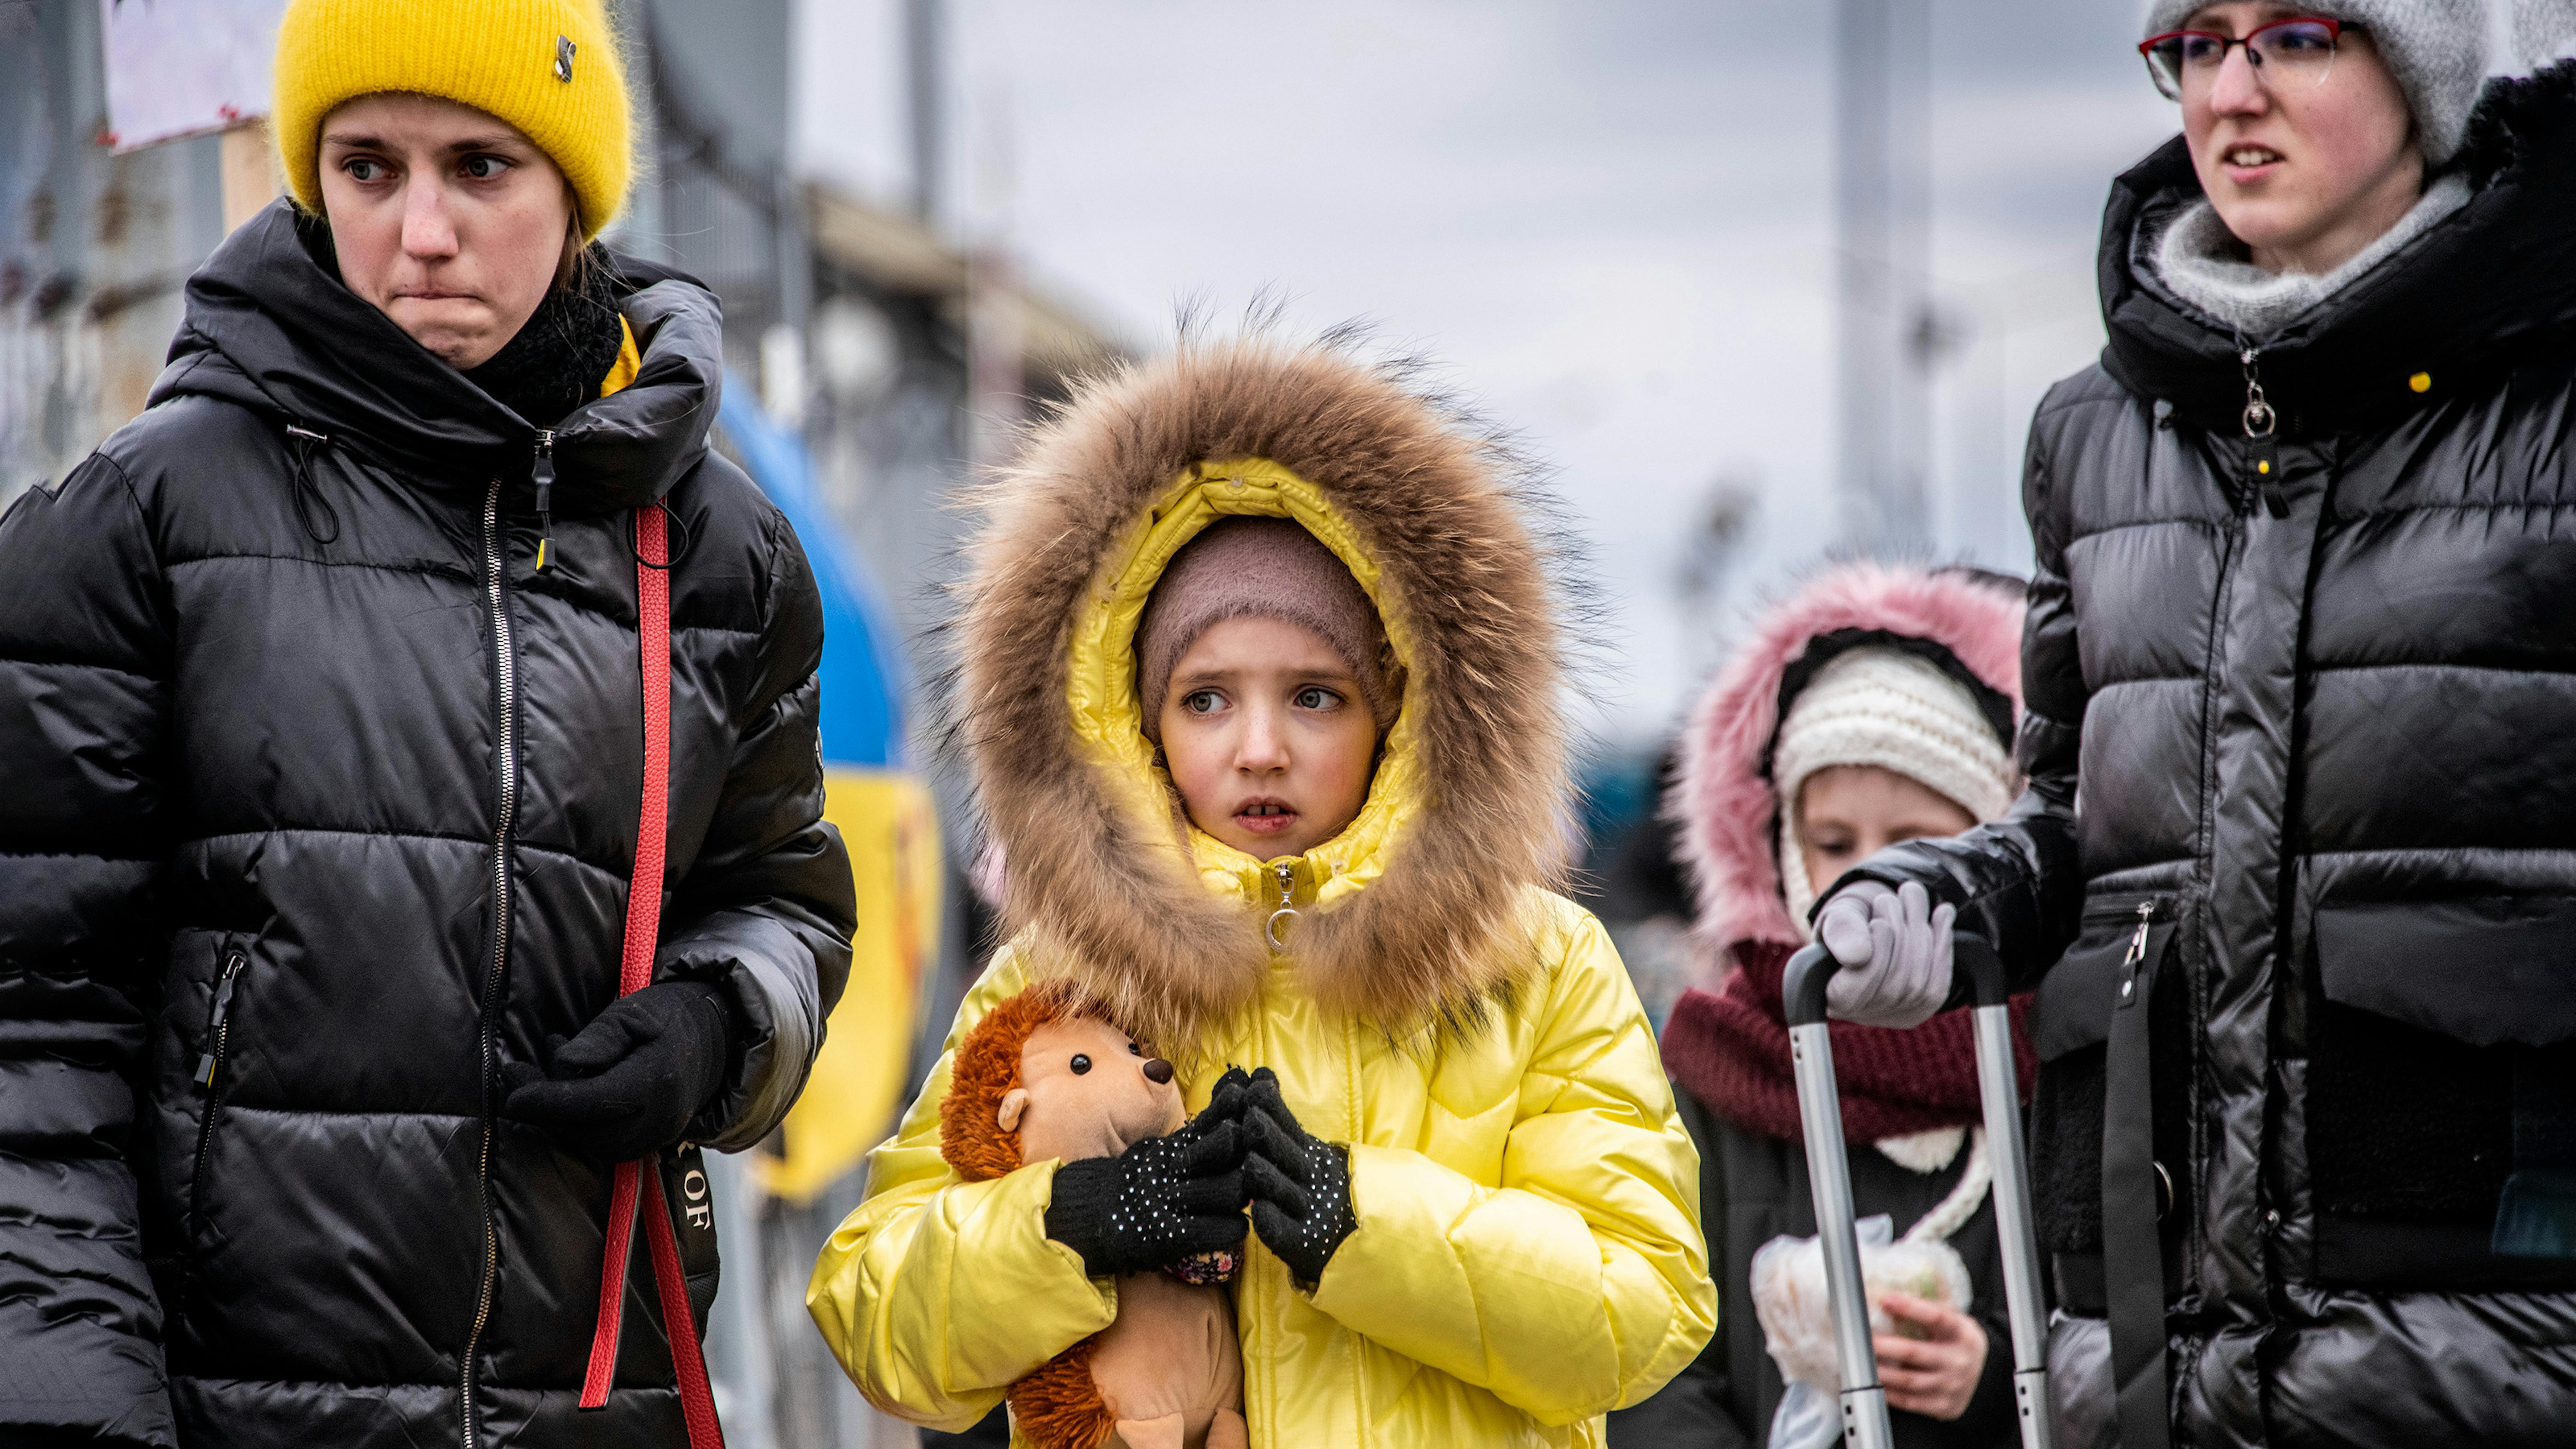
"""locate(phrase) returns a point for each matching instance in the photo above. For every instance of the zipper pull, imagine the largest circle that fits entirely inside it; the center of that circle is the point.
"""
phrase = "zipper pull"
(223, 1006)
(542, 473)
(2138, 942)
(1287, 906)
(2261, 422)
(2137, 953)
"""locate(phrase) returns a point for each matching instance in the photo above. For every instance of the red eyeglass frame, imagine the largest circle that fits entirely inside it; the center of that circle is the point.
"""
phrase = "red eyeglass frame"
(2146, 47)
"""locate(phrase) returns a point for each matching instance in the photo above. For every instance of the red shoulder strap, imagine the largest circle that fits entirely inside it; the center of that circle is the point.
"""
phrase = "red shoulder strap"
(635, 972)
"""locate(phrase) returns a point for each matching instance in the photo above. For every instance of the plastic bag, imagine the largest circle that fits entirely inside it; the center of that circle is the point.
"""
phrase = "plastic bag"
(1807, 1418)
(1797, 1318)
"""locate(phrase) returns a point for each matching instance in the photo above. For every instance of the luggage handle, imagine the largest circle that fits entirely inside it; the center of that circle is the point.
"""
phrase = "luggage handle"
(1811, 1054)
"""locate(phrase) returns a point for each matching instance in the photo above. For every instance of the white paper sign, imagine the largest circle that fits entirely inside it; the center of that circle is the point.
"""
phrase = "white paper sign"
(179, 67)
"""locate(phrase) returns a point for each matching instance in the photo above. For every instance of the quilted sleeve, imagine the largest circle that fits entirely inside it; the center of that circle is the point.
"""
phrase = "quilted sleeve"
(2019, 878)
(766, 910)
(84, 707)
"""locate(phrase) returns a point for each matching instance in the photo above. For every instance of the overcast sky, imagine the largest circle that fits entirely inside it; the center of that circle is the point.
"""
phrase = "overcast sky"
(1611, 220)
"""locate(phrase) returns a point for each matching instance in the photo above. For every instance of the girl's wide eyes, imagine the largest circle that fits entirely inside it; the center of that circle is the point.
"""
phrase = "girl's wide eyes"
(1203, 701)
(1316, 697)
(1081, 1064)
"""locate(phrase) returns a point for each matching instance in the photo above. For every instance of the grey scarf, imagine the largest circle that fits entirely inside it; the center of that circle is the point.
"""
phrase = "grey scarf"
(2205, 265)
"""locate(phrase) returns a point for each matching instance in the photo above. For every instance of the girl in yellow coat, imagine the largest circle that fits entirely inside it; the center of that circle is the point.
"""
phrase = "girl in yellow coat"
(1288, 795)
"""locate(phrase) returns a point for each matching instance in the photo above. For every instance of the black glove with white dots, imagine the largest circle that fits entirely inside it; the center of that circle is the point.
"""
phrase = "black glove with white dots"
(1300, 1186)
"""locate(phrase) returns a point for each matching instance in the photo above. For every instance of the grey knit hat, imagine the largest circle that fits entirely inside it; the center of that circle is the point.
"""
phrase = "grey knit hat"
(2544, 31)
(2437, 50)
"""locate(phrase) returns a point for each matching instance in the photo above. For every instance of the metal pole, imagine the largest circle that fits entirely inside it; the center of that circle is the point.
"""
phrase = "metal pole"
(926, 99)
(1881, 212)
(1999, 1088)
(1811, 1054)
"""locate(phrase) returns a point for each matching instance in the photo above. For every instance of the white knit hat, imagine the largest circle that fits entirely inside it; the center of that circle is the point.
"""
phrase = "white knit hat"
(2437, 50)
(1875, 706)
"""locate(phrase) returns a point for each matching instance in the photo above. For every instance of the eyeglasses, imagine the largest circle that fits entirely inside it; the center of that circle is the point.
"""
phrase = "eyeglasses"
(2285, 53)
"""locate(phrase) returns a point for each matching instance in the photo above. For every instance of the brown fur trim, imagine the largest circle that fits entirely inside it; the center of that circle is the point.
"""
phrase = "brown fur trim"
(986, 1068)
(1059, 1407)
(1437, 503)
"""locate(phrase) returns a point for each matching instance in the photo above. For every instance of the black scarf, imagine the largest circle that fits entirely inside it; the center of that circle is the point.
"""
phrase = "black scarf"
(559, 358)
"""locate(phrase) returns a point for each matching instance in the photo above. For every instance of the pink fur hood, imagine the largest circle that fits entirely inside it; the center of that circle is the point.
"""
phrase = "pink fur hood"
(1727, 811)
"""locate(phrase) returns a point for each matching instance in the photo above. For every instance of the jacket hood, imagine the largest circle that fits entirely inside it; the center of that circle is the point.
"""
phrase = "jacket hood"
(1412, 914)
(270, 326)
(2454, 307)
(1723, 800)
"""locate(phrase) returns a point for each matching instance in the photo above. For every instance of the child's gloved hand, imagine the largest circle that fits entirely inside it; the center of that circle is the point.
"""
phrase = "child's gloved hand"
(628, 1084)
(1163, 1199)
(1301, 1187)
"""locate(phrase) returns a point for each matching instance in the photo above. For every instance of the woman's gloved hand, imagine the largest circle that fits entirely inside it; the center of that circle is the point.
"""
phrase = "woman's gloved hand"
(1894, 946)
(1161, 1200)
(1301, 1187)
(627, 1086)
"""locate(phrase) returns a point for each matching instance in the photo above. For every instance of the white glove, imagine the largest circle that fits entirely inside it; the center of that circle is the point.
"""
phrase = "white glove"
(1895, 949)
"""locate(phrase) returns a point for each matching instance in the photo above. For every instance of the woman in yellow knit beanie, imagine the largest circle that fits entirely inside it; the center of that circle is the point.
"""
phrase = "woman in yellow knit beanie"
(322, 695)
(548, 67)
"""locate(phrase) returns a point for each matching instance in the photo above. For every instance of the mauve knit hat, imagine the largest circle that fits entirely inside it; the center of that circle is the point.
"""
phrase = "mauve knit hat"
(2437, 50)
(1269, 568)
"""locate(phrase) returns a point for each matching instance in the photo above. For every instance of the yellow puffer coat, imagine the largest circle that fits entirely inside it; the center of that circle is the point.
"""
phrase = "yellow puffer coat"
(1528, 1253)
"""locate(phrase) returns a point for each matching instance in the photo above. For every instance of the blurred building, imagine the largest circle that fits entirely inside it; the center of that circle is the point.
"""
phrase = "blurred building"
(866, 357)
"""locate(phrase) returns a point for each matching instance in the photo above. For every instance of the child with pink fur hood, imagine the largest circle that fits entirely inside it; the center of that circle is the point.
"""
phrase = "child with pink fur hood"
(1877, 704)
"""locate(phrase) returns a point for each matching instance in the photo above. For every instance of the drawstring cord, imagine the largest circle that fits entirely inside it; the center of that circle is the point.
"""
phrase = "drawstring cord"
(688, 540)
(304, 442)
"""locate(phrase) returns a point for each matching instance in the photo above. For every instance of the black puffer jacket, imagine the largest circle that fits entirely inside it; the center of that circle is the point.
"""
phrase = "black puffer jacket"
(302, 719)
(2314, 706)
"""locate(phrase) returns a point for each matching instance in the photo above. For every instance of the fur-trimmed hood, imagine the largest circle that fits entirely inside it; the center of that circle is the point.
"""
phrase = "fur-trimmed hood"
(1724, 800)
(1415, 912)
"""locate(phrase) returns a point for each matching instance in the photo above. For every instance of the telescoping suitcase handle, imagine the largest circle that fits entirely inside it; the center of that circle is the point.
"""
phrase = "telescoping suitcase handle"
(1811, 1053)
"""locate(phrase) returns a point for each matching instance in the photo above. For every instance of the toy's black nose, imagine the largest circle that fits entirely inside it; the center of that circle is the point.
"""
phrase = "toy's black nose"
(1158, 1071)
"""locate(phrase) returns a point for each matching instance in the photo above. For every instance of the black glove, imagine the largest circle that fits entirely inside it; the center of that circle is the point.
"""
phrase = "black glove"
(1301, 1188)
(627, 1086)
(1161, 1200)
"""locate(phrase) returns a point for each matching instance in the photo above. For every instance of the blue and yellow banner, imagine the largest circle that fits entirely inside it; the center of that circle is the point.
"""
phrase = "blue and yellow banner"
(886, 817)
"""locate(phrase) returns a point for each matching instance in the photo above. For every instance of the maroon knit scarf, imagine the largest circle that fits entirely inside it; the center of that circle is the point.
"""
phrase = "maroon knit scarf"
(1730, 1048)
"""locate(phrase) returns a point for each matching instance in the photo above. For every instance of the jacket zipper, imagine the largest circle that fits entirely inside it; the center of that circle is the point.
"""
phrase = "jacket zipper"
(210, 1064)
(496, 593)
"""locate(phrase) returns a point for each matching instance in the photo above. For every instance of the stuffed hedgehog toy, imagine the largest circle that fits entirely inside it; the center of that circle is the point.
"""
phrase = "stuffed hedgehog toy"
(1045, 1075)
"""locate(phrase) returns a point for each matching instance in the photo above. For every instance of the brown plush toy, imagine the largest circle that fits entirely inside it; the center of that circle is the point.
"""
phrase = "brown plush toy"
(1046, 1076)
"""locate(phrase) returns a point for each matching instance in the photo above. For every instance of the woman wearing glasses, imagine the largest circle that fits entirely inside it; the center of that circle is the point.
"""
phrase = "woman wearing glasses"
(2303, 646)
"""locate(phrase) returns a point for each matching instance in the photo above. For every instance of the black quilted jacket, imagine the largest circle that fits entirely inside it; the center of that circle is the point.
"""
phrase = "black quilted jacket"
(2322, 715)
(317, 800)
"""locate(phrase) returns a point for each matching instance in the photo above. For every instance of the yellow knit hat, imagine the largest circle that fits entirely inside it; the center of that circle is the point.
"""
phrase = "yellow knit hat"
(548, 67)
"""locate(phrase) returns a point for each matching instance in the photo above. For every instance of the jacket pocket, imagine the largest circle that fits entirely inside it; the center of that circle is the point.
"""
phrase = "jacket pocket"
(2437, 1064)
(2076, 998)
(2070, 1028)
(2486, 970)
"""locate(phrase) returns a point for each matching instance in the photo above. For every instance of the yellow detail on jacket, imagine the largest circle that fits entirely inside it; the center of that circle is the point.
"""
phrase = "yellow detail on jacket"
(1528, 1253)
